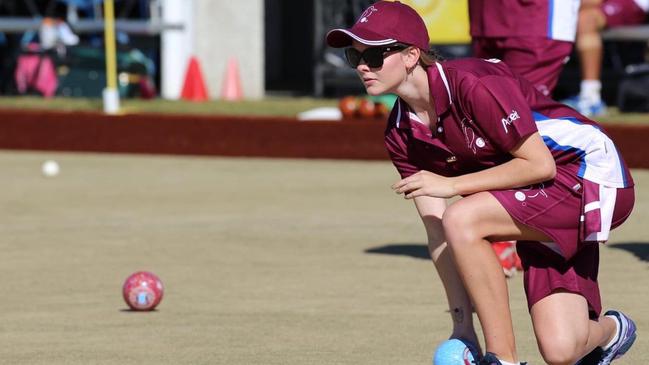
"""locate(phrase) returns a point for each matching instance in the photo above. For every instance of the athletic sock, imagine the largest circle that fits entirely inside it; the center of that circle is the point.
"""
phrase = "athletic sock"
(617, 334)
(508, 363)
(590, 90)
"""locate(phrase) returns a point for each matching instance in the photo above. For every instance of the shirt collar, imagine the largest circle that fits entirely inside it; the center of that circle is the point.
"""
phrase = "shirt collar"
(402, 114)
(439, 88)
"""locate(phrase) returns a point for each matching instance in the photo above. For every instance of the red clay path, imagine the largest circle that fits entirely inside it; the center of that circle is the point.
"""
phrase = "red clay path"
(228, 135)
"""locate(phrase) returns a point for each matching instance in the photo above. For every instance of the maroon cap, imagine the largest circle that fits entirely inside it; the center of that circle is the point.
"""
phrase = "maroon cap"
(383, 23)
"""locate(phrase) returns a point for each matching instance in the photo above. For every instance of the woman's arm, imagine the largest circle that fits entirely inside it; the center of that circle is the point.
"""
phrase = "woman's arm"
(532, 163)
(590, 3)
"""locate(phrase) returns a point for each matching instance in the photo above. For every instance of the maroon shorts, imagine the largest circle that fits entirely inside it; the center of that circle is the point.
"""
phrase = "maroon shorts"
(538, 59)
(622, 12)
(555, 208)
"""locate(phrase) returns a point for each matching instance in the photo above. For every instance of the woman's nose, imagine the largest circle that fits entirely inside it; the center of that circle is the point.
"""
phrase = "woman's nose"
(362, 66)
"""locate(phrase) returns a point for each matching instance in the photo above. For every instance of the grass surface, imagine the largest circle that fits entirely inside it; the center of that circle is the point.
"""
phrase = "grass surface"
(270, 106)
(277, 106)
(265, 261)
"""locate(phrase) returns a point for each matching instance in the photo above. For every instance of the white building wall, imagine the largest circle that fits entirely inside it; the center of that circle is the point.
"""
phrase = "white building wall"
(177, 45)
(224, 29)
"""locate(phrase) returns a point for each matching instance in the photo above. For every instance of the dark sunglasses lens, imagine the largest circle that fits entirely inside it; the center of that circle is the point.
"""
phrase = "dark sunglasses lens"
(373, 56)
(353, 57)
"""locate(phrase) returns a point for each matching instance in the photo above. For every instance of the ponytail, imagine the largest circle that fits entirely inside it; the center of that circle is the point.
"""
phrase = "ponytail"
(429, 57)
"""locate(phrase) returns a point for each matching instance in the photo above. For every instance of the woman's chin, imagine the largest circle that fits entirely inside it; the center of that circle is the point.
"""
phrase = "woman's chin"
(374, 90)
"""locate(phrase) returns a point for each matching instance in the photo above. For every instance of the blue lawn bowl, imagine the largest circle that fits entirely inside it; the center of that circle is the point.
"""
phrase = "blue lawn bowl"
(455, 352)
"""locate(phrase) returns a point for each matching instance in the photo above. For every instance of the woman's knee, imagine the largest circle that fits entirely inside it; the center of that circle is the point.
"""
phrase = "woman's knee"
(457, 224)
(561, 326)
(559, 350)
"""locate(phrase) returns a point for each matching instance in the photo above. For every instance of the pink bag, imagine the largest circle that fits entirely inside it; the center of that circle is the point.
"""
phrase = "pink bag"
(36, 72)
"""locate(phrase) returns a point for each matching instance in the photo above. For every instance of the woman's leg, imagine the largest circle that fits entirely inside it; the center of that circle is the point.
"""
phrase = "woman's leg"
(589, 41)
(468, 224)
(561, 321)
(563, 329)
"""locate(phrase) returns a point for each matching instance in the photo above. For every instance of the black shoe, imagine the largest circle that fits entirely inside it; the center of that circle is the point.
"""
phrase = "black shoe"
(491, 359)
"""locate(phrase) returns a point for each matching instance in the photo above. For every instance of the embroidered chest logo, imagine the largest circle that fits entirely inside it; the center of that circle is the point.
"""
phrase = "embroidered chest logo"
(366, 14)
(509, 119)
(472, 142)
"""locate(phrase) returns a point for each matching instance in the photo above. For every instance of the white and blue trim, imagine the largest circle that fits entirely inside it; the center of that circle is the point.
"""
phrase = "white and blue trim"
(581, 154)
(598, 157)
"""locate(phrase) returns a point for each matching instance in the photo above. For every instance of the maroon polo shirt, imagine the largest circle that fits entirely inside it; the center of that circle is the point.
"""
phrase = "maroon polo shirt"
(483, 114)
(488, 117)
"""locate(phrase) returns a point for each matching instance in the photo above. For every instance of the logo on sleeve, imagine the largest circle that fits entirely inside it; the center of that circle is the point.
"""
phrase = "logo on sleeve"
(509, 119)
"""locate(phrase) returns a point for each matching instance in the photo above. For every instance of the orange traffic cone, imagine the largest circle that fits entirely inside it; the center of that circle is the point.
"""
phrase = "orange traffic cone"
(231, 89)
(194, 86)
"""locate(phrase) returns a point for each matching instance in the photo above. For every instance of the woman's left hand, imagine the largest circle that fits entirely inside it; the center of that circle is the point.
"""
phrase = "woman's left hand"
(425, 183)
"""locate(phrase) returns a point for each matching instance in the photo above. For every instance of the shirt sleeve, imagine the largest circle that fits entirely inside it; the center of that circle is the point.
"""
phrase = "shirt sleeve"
(498, 107)
(396, 144)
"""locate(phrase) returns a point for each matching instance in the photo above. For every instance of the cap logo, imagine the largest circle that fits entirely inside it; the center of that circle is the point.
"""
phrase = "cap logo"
(367, 13)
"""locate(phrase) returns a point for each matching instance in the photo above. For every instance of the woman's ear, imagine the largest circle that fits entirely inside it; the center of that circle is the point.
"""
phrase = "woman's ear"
(411, 58)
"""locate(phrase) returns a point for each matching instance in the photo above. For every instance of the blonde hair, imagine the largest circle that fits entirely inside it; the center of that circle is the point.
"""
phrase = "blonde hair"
(428, 58)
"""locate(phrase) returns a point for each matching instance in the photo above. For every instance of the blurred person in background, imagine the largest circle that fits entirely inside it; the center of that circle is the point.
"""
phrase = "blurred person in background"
(594, 17)
(528, 168)
(535, 39)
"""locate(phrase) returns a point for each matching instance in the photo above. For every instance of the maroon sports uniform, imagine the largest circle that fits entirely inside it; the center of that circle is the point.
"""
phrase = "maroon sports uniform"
(484, 110)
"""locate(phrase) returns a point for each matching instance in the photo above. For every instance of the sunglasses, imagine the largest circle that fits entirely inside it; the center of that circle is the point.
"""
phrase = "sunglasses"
(372, 56)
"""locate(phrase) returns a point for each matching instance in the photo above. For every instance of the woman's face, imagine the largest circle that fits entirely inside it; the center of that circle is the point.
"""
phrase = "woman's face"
(384, 79)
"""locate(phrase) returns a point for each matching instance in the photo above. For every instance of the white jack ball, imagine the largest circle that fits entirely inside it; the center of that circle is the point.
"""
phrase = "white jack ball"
(50, 168)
